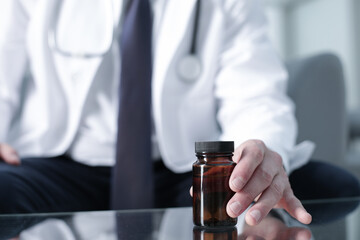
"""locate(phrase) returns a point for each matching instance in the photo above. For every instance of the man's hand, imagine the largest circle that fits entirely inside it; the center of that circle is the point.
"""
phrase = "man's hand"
(9, 154)
(260, 176)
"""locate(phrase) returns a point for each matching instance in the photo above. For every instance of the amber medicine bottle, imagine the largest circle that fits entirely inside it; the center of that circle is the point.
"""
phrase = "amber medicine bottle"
(211, 191)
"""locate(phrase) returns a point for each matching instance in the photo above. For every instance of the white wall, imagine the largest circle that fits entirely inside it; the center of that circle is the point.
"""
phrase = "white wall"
(313, 26)
(326, 25)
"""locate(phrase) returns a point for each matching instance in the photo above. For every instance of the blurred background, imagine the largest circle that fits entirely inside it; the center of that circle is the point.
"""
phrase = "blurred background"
(300, 29)
(303, 28)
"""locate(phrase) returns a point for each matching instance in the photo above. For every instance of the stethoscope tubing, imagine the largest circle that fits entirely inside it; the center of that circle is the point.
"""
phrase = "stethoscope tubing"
(53, 44)
(193, 47)
(189, 66)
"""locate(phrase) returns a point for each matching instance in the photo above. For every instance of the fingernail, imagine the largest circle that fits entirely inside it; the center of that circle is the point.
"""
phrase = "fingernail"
(256, 215)
(238, 183)
(235, 208)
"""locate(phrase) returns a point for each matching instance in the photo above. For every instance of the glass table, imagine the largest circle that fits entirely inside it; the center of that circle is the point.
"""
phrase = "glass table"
(332, 219)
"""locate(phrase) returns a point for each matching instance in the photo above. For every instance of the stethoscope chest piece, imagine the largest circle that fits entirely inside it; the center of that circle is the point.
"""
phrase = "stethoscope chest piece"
(189, 68)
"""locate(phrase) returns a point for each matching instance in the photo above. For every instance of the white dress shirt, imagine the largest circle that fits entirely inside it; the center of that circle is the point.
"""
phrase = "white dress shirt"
(99, 116)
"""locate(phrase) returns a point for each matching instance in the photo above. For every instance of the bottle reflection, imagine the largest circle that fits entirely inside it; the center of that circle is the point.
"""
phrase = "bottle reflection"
(214, 233)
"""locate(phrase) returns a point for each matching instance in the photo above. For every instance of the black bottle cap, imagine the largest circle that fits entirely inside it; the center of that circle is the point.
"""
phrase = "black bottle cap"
(214, 147)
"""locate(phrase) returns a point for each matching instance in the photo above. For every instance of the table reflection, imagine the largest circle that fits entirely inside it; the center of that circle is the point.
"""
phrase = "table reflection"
(164, 224)
(218, 234)
(173, 223)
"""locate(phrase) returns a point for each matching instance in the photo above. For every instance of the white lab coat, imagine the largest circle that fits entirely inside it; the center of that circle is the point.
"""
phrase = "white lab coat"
(240, 94)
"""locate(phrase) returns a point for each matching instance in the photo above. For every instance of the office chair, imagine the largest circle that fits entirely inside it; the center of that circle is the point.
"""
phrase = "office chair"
(316, 85)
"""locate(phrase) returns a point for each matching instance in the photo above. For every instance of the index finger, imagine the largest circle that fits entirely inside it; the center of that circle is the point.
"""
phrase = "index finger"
(248, 157)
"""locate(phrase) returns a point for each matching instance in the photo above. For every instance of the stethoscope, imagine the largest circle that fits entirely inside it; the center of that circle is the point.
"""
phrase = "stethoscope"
(53, 39)
(189, 66)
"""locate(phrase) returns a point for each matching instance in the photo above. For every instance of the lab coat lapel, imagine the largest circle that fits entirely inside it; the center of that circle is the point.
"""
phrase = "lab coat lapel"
(172, 29)
(81, 70)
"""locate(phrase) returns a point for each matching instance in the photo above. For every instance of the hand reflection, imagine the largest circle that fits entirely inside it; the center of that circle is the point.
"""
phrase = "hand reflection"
(273, 228)
(270, 228)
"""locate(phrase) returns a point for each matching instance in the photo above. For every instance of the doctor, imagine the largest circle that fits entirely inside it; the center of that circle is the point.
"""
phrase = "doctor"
(58, 127)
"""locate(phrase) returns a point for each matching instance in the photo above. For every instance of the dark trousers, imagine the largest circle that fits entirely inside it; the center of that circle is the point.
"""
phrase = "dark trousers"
(60, 184)
(320, 180)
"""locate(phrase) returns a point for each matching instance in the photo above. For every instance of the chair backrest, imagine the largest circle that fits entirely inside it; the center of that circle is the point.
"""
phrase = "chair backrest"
(316, 85)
